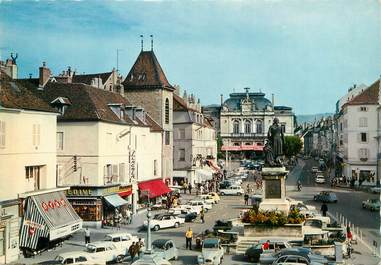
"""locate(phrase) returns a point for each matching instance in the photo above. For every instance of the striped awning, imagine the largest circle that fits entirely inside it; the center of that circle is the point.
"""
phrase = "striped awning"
(47, 217)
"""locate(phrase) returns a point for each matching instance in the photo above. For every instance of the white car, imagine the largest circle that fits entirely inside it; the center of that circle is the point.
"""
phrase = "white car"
(75, 257)
(151, 259)
(122, 241)
(164, 221)
(212, 252)
(206, 204)
(232, 190)
(206, 198)
(320, 179)
(104, 251)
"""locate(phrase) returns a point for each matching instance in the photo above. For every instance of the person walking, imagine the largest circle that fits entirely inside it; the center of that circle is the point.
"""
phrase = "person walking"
(87, 236)
(324, 209)
(246, 197)
(266, 245)
(188, 238)
(190, 188)
(128, 216)
(131, 251)
(202, 214)
(141, 246)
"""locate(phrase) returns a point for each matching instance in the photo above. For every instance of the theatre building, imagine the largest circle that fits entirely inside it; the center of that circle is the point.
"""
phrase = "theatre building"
(105, 147)
(29, 196)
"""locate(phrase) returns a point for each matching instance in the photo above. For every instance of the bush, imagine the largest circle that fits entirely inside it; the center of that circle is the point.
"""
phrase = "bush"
(272, 218)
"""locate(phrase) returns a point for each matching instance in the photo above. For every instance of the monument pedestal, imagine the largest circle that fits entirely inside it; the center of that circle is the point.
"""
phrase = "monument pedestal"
(274, 190)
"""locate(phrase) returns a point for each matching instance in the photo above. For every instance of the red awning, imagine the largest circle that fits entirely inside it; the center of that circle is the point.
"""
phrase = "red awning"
(125, 191)
(155, 188)
(254, 147)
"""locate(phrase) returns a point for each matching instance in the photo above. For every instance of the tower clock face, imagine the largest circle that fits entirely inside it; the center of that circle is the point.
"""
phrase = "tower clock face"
(273, 189)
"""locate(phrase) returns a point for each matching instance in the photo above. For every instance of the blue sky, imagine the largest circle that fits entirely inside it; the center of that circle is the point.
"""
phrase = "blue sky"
(308, 53)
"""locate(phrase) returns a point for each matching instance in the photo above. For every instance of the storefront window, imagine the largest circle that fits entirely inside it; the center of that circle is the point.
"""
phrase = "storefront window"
(88, 210)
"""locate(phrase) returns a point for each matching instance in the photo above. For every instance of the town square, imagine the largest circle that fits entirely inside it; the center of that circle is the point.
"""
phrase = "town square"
(190, 132)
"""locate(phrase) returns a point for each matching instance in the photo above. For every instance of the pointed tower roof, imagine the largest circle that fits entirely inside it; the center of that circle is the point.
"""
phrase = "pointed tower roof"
(147, 73)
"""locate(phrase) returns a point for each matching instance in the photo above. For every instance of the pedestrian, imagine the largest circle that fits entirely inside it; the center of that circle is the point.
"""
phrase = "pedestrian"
(131, 251)
(246, 197)
(87, 235)
(128, 216)
(202, 189)
(266, 245)
(185, 187)
(137, 249)
(324, 209)
(349, 234)
(188, 239)
(141, 246)
(202, 214)
(190, 188)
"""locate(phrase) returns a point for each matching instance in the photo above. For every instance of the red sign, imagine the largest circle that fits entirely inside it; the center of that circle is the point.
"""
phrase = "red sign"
(52, 204)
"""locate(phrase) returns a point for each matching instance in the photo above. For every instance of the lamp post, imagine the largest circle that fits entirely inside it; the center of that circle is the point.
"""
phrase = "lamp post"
(149, 245)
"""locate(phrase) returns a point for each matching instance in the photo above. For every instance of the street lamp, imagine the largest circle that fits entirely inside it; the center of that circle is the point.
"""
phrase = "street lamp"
(149, 245)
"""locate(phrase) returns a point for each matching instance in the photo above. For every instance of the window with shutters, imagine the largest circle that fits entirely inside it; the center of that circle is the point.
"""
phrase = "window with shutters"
(283, 127)
(167, 137)
(345, 123)
(236, 126)
(247, 126)
(363, 122)
(60, 140)
(363, 137)
(36, 134)
(259, 127)
(166, 111)
(362, 108)
(2, 134)
(155, 167)
(122, 172)
(181, 133)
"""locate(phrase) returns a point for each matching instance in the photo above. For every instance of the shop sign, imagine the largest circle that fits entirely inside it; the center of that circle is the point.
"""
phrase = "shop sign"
(132, 160)
(79, 192)
(94, 192)
(52, 204)
(110, 190)
(125, 189)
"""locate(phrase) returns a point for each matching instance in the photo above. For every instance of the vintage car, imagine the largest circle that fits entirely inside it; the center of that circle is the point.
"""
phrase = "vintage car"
(122, 241)
(165, 248)
(269, 258)
(232, 190)
(294, 260)
(160, 221)
(222, 225)
(326, 196)
(151, 259)
(215, 196)
(201, 203)
(371, 204)
(320, 179)
(254, 252)
(206, 198)
(104, 251)
(75, 257)
(211, 252)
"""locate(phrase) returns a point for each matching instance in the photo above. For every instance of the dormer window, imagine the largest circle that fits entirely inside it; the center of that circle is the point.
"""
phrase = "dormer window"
(118, 110)
(61, 104)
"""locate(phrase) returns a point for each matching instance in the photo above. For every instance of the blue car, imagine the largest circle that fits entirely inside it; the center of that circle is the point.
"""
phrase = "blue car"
(326, 196)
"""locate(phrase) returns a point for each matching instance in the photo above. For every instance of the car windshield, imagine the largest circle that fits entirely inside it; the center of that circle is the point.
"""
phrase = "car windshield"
(158, 244)
(210, 245)
(91, 249)
(59, 258)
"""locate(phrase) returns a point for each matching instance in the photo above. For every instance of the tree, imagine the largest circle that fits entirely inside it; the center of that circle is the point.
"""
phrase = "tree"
(292, 145)
(220, 154)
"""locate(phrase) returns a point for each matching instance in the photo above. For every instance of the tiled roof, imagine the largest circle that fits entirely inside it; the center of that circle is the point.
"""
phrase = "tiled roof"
(146, 73)
(153, 124)
(179, 104)
(369, 96)
(86, 78)
(14, 95)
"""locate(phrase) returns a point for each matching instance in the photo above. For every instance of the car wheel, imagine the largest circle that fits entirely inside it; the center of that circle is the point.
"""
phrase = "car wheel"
(177, 225)
(239, 194)
(315, 199)
(119, 258)
(222, 193)
(156, 228)
(176, 258)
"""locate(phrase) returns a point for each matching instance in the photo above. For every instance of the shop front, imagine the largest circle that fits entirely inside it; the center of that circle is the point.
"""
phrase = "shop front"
(98, 204)
(9, 231)
(48, 218)
(152, 190)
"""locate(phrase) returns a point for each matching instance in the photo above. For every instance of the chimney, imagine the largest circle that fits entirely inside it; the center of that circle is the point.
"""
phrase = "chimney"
(272, 99)
(44, 75)
(222, 99)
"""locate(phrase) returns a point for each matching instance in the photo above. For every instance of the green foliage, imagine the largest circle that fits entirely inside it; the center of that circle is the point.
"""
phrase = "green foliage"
(220, 155)
(292, 145)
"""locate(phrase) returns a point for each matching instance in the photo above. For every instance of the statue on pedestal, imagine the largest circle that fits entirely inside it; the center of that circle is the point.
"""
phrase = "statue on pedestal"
(274, 145)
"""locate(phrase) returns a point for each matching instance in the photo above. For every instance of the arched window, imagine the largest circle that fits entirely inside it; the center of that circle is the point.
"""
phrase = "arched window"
(247, 126)
(166, 111)
(236, 126)
(259, 126)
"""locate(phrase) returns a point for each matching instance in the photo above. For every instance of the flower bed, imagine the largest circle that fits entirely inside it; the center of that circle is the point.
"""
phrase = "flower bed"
(272, 218)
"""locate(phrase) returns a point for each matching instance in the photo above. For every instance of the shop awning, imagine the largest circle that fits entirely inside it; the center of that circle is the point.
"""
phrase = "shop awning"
(154, 188)
(48, 215)
(115, 200)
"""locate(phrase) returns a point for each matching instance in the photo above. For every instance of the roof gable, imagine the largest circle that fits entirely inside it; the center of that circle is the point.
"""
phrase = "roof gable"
(87, 78)
(147, 73)
(368, 97)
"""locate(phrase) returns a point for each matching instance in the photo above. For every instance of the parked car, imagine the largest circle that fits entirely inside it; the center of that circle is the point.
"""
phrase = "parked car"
(320, 179)
(293, 260)
(233, 190)
(326, 196)
(314, 169)
(164, 221)
(211, 252)
(222, 225)
(225, 184)
(104, 251)
(200, 204)
(306, 210)
(188, 217)
(74, 257)
(151, 259)
(375, 190)
(165, 248)
(269, 258)
(371, 204)
(254, 252)
(206, 198)
(215, 196)
(122, 241)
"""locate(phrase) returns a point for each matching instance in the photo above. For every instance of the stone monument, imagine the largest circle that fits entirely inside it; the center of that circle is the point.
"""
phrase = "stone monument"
(274, 173)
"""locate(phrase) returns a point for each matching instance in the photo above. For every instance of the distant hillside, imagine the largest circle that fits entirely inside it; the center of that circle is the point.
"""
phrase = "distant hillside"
(310, 118)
